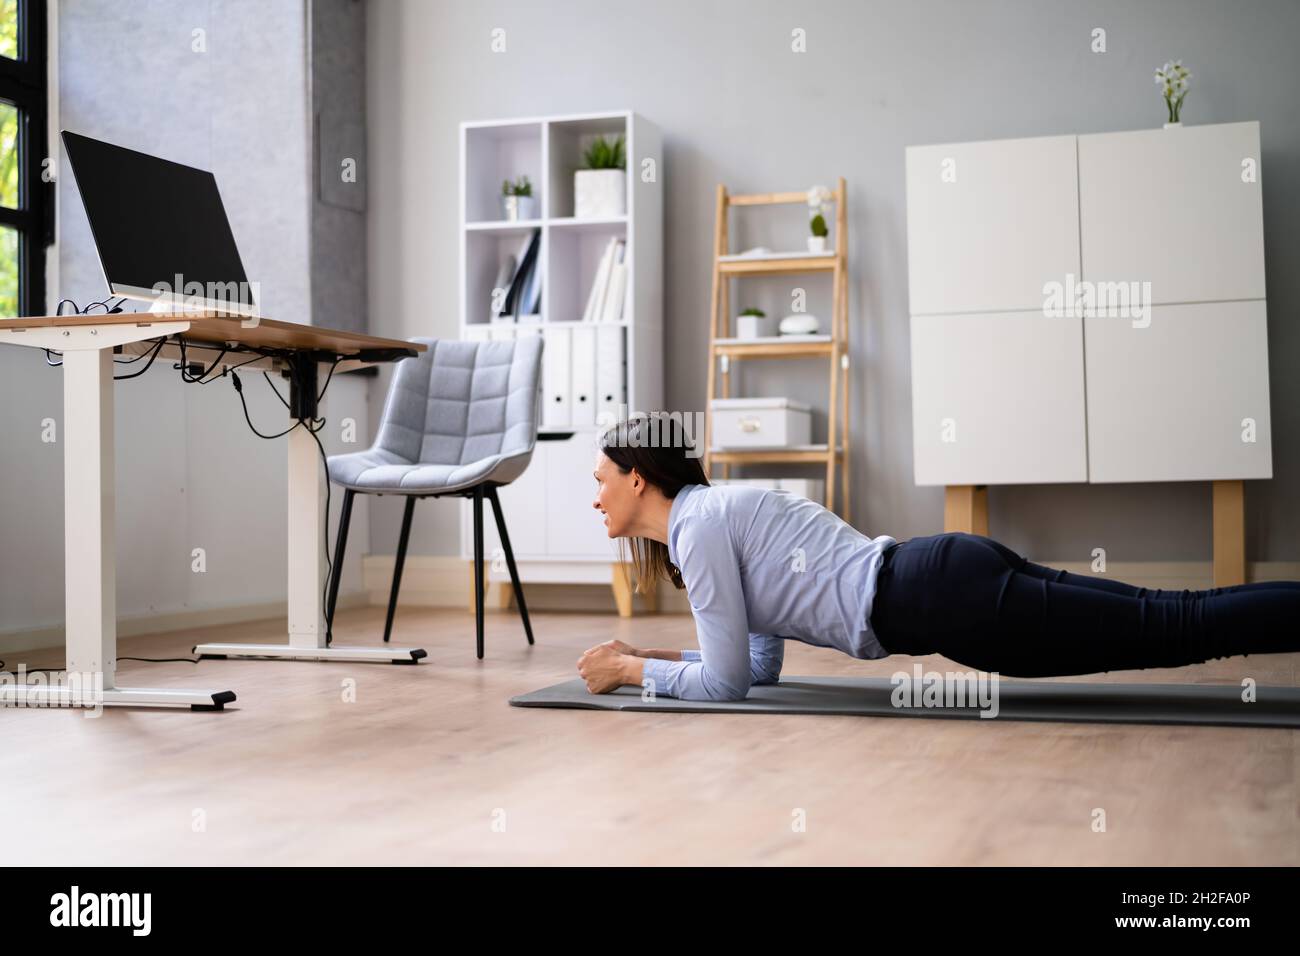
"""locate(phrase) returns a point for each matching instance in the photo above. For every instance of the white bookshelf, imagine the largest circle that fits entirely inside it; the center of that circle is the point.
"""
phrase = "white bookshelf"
(556, 535)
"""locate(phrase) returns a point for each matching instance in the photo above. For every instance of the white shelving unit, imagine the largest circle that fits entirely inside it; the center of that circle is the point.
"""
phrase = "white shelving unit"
(556, 535)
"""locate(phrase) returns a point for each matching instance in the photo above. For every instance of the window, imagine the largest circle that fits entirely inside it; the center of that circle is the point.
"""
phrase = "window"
(26, 200)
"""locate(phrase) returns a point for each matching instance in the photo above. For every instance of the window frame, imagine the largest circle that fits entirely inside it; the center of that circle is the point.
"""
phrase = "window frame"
(24, 83)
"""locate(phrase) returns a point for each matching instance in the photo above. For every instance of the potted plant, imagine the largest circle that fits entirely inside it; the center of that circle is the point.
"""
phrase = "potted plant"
(517, 199)
(1172, 78)
(818, 197)
(752, 323)
(600, 187)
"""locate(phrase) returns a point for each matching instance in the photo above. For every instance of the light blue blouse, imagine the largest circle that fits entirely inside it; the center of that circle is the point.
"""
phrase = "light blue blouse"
(761, 567)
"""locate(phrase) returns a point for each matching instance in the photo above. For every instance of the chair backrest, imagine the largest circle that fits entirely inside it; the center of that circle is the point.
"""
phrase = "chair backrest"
(461, 402)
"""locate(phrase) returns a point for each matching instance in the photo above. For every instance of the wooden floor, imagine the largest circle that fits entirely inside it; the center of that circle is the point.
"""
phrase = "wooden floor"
(430, 765)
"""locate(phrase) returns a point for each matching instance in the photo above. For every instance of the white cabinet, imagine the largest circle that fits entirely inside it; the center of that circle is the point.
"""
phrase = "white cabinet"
(574, 529)
(525, 520)
(1170, 387)
(989, 223)
(997, 398)
(548, 509)
(1184, 398)
(1178, 208)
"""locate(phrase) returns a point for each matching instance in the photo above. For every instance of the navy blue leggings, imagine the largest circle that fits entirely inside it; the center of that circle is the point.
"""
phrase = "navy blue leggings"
(980, 604)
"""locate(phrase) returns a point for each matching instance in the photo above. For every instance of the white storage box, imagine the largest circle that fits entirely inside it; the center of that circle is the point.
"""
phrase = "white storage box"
(760, 423)
(811, 488)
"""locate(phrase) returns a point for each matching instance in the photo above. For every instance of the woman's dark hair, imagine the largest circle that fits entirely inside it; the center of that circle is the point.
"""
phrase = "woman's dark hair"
(657, 447)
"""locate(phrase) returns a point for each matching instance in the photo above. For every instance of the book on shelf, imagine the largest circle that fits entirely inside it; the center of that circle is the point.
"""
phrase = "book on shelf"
(609, 287)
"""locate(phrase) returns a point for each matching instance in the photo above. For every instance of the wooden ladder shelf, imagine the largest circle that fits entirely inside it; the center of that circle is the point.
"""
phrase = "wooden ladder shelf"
(723, 349)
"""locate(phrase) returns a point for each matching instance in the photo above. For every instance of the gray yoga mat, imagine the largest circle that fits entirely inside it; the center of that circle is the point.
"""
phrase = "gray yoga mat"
(1215, 704)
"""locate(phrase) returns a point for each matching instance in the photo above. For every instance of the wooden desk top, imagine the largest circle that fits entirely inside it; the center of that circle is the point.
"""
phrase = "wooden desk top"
(215, 329)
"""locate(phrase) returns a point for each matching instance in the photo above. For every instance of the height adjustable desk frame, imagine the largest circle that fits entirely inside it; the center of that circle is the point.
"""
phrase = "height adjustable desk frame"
(88, 344)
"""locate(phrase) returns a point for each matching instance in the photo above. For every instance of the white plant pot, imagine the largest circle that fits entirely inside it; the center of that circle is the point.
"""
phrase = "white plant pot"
(816, 243)
(753, 326)
(599, 193)
(1174, 125)
(515, 208)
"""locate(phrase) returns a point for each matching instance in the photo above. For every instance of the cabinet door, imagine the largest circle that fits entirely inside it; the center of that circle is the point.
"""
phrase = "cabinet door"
(988, 224)
(1172, 207)
(523, 506)
(997, 399)
(1176, 400)
(574, 529)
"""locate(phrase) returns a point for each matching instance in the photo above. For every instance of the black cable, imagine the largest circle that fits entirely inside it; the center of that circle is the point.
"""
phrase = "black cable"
(53, 364)
(132, 361)
(152, 355)
(145, 660)
(239, 387)
(274, 389)
(337, 359)
(77, 310)
(184, 366)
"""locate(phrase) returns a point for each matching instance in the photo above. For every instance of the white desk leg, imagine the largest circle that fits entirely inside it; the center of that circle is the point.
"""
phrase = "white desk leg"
(306, 514)
(89, 525)
(90, 589)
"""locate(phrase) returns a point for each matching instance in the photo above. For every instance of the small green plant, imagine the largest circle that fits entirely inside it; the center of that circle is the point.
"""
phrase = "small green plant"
(520, 187)
(818, 225)
(605, 154)
(753, 311)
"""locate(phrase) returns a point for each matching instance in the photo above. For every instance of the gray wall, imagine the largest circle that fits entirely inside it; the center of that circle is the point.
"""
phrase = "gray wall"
(737, 106)
(338, 209)
(189, 472)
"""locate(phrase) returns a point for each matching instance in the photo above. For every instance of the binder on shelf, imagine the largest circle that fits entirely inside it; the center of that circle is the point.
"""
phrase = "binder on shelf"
(556, 408)
(600, 285)
(611, 373)
(617, 288)
(583, 371)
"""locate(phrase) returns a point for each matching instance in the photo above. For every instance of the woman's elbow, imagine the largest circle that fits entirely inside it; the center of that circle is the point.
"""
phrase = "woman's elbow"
(727, 690)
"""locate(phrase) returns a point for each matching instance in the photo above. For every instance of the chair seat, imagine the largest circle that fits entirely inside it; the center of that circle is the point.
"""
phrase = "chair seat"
(382, 472)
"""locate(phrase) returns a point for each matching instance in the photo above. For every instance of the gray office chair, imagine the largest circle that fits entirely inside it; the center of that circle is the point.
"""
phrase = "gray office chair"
(461, 420)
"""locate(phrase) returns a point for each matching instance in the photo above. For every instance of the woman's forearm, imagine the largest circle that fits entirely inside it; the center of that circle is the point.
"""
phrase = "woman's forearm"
(663, 654)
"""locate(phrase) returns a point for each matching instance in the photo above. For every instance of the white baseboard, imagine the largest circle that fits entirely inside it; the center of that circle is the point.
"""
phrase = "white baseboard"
(444, 581)
(46, 637)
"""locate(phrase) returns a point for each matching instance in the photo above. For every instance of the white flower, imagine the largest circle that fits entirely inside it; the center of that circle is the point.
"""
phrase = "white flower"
(817, 196)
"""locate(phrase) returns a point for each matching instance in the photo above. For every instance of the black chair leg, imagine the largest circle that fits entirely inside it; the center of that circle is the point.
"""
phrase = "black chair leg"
(510, 560)
(478, 566)
(397, 568)
(340, 546)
